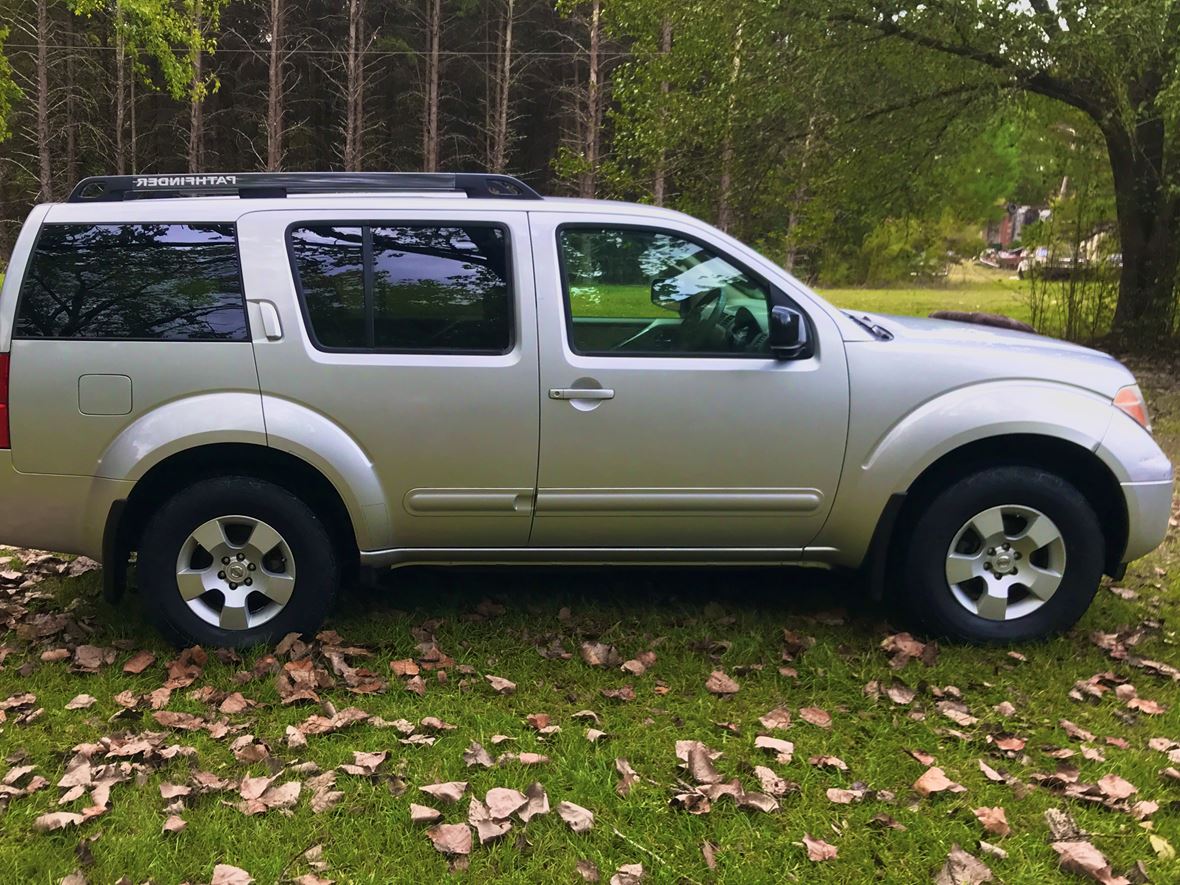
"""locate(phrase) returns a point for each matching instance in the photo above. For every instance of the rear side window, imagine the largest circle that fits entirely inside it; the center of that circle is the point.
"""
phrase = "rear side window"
(160, 282)
(405, 288)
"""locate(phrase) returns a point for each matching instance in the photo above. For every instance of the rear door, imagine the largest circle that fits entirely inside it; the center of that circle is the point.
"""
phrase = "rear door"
(115, 318)
(415, 332)
(665, 421)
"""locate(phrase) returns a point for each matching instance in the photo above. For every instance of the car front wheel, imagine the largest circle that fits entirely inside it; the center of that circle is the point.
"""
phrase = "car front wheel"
(1006, 554)
(236, 561)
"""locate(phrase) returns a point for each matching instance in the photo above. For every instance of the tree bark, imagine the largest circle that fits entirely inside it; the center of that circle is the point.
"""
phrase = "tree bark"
(430, 135)
(592, 116)
(725, 188)
(71, 127)
(44, 155)
(660, 184)
(120, 94)
(196, 123)
(274, 89)
(354, 88)
(503, 88)
(1149, 232)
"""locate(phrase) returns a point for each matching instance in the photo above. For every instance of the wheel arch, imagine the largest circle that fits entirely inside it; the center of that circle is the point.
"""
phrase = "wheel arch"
(1076, 464)
(162, 480)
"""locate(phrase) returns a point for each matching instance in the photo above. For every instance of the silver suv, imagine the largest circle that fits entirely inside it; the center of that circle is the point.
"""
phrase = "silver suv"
(258, 383)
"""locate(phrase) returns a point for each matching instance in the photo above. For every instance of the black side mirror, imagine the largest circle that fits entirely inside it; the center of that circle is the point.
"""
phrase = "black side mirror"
(788, 334)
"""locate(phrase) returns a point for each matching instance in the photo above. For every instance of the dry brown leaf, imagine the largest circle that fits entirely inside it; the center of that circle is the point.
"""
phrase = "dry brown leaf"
(627, 776)
(844, 797)
(451, 791)
(56, 820)
(487, 826)
(588, 870)
(720, 684)
(700, 764)
(922, 756)
(884, 822)
(500, 685)
(818, 850)
(828, 762)
(1083, 859)
(422, 814)
(782, 749)
(538, 803)
(962, 869)
(994, 820)
(224, 874)
(1115, 787)
(934, 780)
(779, 717)
(475, 754)
(578, 818)
(502, 802)
(599, 654)
(628, 874)
(174, 824)
(816, 716)
(81, 702)
(990, 773)
(452, 839)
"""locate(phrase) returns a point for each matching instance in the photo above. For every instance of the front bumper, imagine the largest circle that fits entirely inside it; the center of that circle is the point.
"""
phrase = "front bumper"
(1149, 508)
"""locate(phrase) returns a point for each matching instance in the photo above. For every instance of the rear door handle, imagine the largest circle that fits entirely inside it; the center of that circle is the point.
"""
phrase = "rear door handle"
(581, 393)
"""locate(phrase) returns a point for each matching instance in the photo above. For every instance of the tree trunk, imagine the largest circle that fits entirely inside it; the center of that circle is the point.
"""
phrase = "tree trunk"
(274, 90)
(120, 94)
(196, 123)
(1149, 231)
(71, 126)
(430, 136)
(354, 88)
(499, 152)
(659, 186)
(44, 156)
(725, 187)
(592, 118)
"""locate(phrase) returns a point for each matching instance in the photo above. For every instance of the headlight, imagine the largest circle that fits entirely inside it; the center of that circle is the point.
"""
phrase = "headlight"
(1130, 400)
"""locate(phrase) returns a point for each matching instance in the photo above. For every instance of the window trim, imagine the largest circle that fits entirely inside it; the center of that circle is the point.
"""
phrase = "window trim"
(367, 224)
(20, 296)
(775, 294)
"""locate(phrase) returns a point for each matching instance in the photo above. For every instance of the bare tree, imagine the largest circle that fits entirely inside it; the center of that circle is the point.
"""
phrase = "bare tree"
(275, 87)
(430, 133)
(590, 118)
(499, 141)
(354, 87)
(196, 127)
(725, 189)
(120, 95)
(44, 157)
(659, 186)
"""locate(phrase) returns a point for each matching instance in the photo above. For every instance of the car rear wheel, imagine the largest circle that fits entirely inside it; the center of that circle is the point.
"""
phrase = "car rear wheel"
(236, 561)
(1006, 554)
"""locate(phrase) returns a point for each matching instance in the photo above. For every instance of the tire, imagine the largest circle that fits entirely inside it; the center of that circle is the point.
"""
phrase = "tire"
(300, 573)
(1065, 571)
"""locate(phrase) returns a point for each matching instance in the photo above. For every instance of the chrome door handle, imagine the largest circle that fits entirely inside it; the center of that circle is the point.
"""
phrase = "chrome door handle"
(581, 393)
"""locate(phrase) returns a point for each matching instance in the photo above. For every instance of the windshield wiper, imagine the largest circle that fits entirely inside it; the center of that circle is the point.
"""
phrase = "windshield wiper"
(868, 325)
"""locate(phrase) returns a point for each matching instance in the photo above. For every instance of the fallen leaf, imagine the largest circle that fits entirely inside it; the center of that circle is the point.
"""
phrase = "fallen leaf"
(628, 874)
(578, 818)
(782, 749)
(81, 702)
(994, 820)
(844, 797)
(139, 662)
(1115, 787)
(1084, 859)
(503, 802)
(224, 874)
(627, 777)
(779, 717)
(1162, 847)
(451, 791)
(538, 803)
(816, 716)
(422, 814)
(962, 869)
(453, 839)
(770, 781)
(934, 780)
(475, 754)
(599, 654)
(885, 822)
(828, 762)
(500, 685)
(174, 824)
(487, 826)
(56, 820)
(720, 684)
(587, 870)
(818, 850)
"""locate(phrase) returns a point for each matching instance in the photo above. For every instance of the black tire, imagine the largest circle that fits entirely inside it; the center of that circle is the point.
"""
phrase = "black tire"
(317, 575)
(924, 583)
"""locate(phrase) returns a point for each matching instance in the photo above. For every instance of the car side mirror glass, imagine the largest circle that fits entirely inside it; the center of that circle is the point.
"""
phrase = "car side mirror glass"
(788, 334)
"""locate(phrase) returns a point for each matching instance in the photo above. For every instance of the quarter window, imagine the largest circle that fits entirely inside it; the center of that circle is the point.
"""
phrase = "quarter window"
(168, 282)
(641, 291)
(405, 288)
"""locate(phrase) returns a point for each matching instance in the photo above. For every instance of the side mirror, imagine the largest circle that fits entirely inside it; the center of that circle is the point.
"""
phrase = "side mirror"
(788, 334)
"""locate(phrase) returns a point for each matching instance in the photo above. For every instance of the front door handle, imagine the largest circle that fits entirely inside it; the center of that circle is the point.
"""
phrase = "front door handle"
(581, 393)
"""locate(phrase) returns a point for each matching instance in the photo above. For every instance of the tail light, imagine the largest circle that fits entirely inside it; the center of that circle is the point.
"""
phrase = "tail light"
(4, 440)
(1130, 400)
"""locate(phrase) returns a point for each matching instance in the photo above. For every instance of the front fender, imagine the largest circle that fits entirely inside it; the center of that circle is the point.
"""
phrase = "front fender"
(889, 462)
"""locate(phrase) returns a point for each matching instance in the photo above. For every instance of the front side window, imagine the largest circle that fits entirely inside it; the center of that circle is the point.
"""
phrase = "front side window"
(406, 288)
(169, 282)
(636, 291)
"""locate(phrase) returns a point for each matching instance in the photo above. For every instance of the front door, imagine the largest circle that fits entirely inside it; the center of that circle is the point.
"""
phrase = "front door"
(665, 421)
(414, 333)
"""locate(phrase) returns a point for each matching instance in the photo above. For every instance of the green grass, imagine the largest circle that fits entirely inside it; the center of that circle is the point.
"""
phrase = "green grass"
(696, 621)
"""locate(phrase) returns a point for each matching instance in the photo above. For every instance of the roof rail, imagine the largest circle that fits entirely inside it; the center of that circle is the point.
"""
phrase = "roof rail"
(117, 188)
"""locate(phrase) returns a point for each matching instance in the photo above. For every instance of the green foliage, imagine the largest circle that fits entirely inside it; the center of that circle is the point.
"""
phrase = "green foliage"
(9, 91)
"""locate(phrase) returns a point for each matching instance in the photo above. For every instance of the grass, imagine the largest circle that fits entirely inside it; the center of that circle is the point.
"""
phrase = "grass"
(696, 621)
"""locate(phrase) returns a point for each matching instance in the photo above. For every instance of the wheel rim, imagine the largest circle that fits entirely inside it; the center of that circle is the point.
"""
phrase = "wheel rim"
(235, 572)
(1006, 562)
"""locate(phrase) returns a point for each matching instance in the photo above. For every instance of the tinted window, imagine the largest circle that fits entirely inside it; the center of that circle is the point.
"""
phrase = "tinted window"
(440, 288)
(139, 281)
(330, 261)
(633, 290)
(429, 287)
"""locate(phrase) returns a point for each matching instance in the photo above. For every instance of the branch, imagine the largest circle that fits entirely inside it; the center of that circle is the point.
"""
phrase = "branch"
(1040, 82)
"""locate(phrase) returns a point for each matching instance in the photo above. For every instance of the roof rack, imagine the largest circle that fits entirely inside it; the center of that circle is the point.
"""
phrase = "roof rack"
(117, 188)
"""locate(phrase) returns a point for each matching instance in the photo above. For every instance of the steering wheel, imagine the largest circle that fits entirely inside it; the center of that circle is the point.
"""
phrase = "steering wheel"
(745, 330)
(700, 327)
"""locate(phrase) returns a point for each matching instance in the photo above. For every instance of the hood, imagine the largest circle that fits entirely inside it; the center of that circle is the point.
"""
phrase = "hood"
(1004, 352)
